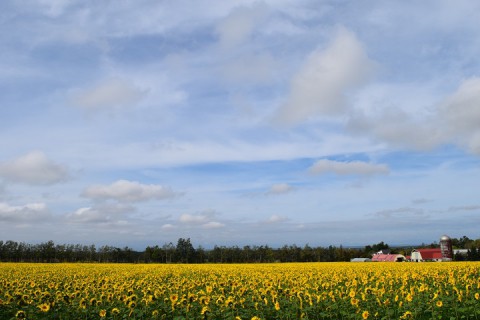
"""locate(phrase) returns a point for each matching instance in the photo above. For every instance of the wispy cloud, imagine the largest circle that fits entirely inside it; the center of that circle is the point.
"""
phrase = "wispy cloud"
(348, 168)
(108, 95)
(280, 188)
(107, 213)
(128, 191)
(464, 208)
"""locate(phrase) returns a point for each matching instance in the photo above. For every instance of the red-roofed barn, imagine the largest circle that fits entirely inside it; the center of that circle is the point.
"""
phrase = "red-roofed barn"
(379, 257)
(426, 255)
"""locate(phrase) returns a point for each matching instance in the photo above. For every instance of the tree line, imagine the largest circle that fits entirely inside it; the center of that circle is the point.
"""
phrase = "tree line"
(184, 252)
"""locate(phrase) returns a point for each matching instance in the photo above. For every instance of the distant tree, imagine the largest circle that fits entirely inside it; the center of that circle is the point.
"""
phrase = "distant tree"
(201, 255)
(184, 252)
(461, 243)
(473, 254)
(371, 249)
(169, 250)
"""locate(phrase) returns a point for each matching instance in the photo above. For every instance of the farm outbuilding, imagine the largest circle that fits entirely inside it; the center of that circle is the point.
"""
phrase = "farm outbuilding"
(419, 255)
(360, 260)
(379, 257)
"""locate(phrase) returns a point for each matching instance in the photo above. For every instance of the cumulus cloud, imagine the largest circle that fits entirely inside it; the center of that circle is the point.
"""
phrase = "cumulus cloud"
(321, 86)
(199, 218)
(461, 114)
(348, 168)
(33, 168)
(280, 188)
(454, 120)
(128, 191)
(238, 26)
(100, 214)
(110, 94)
(33, 212)
(205, 220)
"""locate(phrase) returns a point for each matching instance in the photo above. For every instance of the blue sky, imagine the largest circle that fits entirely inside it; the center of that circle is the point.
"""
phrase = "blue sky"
(239, 122)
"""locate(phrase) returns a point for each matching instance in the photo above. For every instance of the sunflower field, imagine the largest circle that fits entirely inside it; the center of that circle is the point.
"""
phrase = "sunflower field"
(241, 291)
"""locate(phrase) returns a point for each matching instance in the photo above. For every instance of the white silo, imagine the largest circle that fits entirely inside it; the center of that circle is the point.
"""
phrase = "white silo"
(446, 248)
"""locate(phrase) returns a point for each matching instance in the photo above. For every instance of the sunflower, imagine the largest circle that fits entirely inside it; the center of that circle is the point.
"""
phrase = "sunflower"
(102, 313)
(174, 298)
(115, 311)
(407, 315)
(204, 310)
(477, 296)
(439, 303)
(277, 306)
(365, 314)
(44, 307)
(132, 305)
(20, 314)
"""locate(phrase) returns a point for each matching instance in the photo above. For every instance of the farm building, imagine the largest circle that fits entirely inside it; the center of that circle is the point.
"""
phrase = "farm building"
(419, 255)
(462, 252)
(380, 257)
(360, 260)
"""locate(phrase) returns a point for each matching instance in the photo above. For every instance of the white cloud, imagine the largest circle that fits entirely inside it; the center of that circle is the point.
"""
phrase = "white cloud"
(128, 191)
(276, 219)
(168, 227)
(33, 168)
(110, 94)
(461, 113)
(190, 218)
(321, 86)
(87, 214)
(33, 212)
(107, 213)
(199, 218)
(348, 168)
(213, 225)
(204, 220)
(280, 188)
(238, 26)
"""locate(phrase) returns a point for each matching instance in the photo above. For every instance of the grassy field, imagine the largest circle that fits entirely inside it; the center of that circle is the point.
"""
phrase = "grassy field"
(243, 291)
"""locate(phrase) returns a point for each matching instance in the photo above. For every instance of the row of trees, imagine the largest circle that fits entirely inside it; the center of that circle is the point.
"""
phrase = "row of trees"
(50, 252)
(184, 252)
